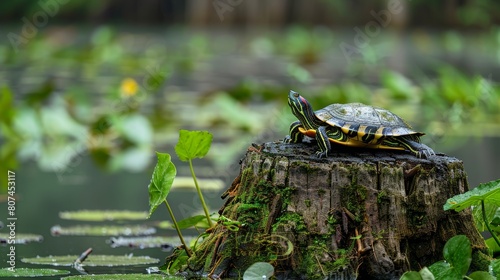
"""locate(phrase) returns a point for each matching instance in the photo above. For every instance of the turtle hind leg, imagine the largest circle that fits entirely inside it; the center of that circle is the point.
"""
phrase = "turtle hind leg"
(295, 135)
(415, 147)
(323, 142)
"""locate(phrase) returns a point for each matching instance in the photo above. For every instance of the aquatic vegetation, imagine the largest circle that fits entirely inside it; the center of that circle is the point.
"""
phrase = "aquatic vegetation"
(92, 260)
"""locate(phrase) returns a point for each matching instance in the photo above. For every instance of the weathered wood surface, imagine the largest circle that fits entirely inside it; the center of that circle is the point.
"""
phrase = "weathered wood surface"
(285, 195)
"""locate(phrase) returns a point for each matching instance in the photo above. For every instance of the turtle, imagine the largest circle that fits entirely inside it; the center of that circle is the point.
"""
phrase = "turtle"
(353, 125)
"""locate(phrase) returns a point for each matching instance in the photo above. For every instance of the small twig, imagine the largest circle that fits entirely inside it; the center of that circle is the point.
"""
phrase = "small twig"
(82, 257)
(320, 266)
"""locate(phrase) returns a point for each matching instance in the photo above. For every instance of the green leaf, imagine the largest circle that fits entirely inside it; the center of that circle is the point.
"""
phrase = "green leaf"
(489, 192)
(411, 275)
(133, 276)
(443, 270)
(192, 222)
(495, 267)
(103, 215)
(259, 271)
(481, 275)
(477, 213)
(492, 245)
(92, 260)
(161, 182)
(426, 274)
(102, 230)
(457, 251)
(31, 272)
(193, 144)
(495, 221)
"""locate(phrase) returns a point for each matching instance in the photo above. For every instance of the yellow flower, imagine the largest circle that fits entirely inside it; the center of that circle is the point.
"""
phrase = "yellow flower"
(129, 87)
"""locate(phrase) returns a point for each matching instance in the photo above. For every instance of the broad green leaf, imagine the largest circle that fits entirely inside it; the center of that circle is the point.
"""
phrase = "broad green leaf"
(92, 260)
(192, 221)
(259, 271)
(443, 271)
(193, 144)
(489, 192)
(411, 275)
(161, 182)
(457, 252)
(477, 213)
(31, 272)
(481, 275)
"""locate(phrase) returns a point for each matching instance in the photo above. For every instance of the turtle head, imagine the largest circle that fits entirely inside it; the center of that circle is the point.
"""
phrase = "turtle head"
(302, 110)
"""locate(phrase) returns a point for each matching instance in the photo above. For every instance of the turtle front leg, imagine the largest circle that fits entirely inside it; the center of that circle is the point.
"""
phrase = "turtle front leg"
(323, 142)
(295, 135)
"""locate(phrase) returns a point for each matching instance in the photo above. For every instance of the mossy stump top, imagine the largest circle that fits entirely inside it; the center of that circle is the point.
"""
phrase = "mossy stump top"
(365, 214)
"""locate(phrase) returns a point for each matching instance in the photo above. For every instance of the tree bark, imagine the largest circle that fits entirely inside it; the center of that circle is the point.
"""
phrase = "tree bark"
(356, 214)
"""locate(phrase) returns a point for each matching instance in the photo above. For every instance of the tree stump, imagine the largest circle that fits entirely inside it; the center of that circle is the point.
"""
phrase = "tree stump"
(358, 214)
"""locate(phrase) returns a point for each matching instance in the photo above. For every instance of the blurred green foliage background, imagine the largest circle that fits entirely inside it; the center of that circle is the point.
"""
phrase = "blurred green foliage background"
(118, 79)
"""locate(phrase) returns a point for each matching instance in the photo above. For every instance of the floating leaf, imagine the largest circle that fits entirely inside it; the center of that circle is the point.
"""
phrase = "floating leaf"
(103, 215)
(31, 272)
(92, 260)
(205, 184)
(123, 277)
(146, 242)
(21, 238)
(161, 182)
(103, 230)
(193, 144)
(259, 271)
(487, 192)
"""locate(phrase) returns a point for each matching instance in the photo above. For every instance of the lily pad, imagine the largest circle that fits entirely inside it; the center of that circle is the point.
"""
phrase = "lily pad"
(145, 242)
(103, 215)
(205, 184)
(123, 276)
(103, 230)
(21, 238)
(92, 260)
(487, 192)
(31, 272)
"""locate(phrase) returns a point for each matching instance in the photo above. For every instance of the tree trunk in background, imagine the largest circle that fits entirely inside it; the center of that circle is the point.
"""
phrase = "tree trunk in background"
(365, 214)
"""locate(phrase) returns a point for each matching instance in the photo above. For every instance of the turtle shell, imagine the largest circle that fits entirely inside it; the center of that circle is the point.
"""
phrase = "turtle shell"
(353, 117)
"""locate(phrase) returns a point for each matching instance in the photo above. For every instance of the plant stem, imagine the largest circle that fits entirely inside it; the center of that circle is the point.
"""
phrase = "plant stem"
(483, 211)
(188, 251)
(205, 209)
